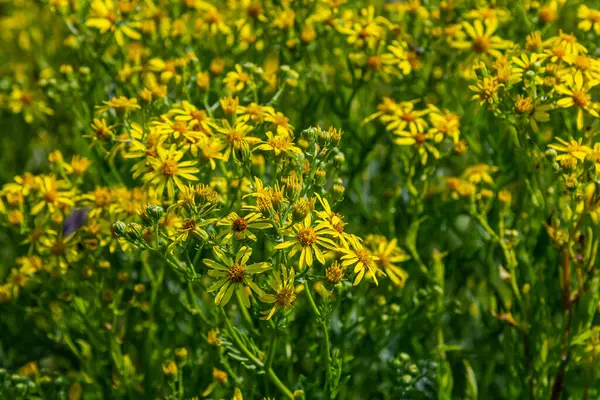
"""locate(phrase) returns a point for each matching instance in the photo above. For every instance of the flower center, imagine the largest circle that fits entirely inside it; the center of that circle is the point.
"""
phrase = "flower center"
(581, 99)
(374, 62)
(420, 138)
(237, 273)
(189, 225)
(582, 63)
(254, 10)
(170, 168)
(58, 248)
(239, 225)
(285, 297)
(307, 237)
(51, 196)
(481, 44)
(180, 127)
(235, 138)
(408, 117)
(363, 256)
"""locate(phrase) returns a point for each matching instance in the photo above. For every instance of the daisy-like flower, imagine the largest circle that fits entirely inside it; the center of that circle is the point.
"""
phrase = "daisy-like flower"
(238, 80)
(573, 149)
(196, 119)
(590, 19)
(420, 140)
(486, 90)
(532, 112)
(58, 251)
(480, 172)
(389, 254)
(209, 150)
(578, 96)
(280, 122)
(581, 66)
(167, 171)
(53, 195)
(191, 227)
(236, 138)
(366, 30)
(568, 42)
(526, 63)
(234, 275)
(240, 227)
(359, 256)
(309, 241)
(405, 116)
(279, 144)
(444, 124)
(254, 113)
(387, 107)
(105, 17)
(283, 295)
(120, 104)
(482, 40)
(335, 220)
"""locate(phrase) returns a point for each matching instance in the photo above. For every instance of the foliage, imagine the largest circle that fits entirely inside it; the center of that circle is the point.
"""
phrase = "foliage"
(299, 199)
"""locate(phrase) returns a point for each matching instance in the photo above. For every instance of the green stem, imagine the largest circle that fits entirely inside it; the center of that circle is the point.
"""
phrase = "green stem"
(270, 373)
(326, 344)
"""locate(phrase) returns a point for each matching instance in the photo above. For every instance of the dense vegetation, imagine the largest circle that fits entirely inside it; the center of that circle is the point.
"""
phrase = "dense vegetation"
(299, 199)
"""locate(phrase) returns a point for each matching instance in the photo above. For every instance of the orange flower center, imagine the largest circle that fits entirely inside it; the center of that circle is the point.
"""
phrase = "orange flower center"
(58, 248)
(180, 127)
(237, 273)
(363, 256)
(481, 44)
(582, 63)
(307, 237)
(285, 297)
(581, 99)
(170, 168)
(239, 225)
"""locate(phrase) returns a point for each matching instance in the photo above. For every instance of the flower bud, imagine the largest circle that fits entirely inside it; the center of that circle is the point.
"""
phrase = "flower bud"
(119, 228)
(133, 231)
(155, 212)
(300, 209)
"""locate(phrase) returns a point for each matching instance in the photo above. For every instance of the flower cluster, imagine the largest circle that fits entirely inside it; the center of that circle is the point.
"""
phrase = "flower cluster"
(259, 198)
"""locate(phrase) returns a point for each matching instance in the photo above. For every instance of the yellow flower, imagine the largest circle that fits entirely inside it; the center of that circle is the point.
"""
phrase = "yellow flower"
(120, 104)
(420, 140)
(52, 195)
(578, 97)
(236, 138)
(568, 42)
(105, 17)
(590, 19)
(532, 112)
(388, 254)
(356, 254)
(480, 172)
(283, 295)
(309, 241)
(279, 144)
(444, 124)
(486, 90)
(169, 368)
(280, 122)
(238, 80)
(234, 275)
(166, 171)
(197, 120)
(573, 149)
(240, 227)
(482, 40)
